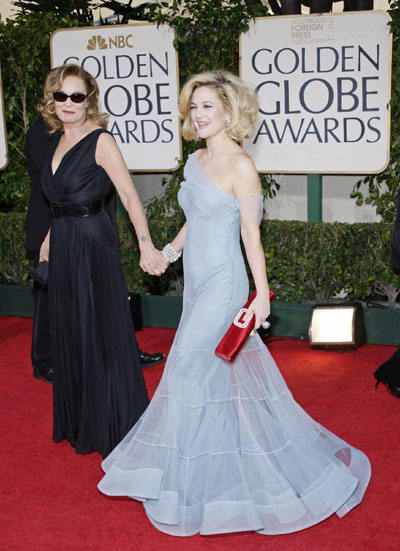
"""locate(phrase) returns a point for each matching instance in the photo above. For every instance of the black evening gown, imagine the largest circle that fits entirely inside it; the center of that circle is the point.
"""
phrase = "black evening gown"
(98, 390)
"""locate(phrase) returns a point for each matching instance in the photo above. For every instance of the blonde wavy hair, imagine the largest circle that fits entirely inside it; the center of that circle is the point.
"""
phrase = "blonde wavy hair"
(239, 100)
(54, 82)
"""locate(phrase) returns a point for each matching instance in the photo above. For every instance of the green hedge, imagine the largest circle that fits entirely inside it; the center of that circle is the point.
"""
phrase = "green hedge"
(309, 261)
(14, 261)
(306, 261)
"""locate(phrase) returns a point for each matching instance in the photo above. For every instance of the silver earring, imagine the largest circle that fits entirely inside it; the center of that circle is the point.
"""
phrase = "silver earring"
(227, 122)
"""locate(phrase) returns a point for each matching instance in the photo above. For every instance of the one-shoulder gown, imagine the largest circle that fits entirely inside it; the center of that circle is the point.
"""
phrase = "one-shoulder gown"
(98, 388)
(225, 448)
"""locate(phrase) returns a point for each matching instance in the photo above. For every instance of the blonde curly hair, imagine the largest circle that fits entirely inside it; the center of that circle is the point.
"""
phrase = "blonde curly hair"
(239, 100)
(54, 82)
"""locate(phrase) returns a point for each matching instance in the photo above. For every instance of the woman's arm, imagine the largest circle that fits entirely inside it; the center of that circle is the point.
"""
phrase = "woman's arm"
(247, 183)
(110, 158)
(45, 248)
(172, 251)
(178, 242)
(256, 258)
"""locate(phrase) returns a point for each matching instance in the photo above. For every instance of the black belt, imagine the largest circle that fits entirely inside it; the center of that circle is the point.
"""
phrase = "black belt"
(58, 210)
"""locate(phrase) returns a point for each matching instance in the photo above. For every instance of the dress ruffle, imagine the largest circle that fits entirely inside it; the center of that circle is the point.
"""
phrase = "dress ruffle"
(224, 449)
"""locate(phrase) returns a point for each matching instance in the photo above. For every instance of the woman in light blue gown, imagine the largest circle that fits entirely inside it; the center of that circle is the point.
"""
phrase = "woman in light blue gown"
(225, 448)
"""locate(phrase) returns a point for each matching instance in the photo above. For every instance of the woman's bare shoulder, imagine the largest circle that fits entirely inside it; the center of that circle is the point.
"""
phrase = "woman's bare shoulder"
(245, 179)
(242, 161)
(106, 139)
(107, 149)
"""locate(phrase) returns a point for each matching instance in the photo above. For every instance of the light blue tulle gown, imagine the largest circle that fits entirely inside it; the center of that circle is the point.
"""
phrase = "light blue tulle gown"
(225, 448)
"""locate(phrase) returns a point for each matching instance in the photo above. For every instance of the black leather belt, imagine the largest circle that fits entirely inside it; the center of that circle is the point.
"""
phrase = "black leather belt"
(58, 210)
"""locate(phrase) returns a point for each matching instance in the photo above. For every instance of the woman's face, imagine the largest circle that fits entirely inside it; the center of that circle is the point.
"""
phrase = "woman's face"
(208, 113)
(68, 111)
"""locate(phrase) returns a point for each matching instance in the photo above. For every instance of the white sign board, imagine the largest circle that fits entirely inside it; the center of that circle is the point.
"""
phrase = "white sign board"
(137, 72)
(324, 87)
(3, 131)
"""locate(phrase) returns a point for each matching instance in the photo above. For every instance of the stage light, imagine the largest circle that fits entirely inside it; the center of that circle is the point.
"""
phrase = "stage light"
(337, 326)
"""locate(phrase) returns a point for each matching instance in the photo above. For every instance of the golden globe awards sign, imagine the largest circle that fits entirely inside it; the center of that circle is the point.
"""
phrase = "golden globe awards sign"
(137, 72)
(324, 86)
(3, 133)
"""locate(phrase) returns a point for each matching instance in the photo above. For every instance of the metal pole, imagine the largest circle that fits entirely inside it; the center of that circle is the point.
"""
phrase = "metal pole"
(314, 197)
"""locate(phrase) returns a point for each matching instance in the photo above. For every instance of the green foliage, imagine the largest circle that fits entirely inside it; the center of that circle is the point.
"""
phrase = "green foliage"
(355, 259)
(320, 261)
(129, 251)
(125, 11)
(381, 190)
(81, 9)
(14, 263)
(25, 60)
(207, 32)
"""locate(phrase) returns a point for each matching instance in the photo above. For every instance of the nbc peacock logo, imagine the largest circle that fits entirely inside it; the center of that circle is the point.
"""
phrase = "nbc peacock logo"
(97, 42)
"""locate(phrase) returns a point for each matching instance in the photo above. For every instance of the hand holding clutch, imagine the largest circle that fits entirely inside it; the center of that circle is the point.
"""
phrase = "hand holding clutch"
(239, 330)
(41, 273)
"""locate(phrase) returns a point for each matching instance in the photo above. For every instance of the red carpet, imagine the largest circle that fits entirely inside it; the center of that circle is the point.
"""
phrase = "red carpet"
(49, 500)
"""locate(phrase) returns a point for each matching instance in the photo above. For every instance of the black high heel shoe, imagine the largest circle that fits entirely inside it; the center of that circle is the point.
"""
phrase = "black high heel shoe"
(389, 374)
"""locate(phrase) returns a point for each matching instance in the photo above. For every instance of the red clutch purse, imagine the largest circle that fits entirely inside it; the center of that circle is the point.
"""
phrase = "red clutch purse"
(236, 336)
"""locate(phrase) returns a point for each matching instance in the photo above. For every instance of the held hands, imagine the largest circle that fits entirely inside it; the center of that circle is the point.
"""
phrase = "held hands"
(260, 308)
(169, 254)
(152, 261)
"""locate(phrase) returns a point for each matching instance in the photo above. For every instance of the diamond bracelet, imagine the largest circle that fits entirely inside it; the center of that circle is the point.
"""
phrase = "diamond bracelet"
(170, 254)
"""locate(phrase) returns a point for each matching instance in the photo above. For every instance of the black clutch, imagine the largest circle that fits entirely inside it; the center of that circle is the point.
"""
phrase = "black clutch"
(41, 273)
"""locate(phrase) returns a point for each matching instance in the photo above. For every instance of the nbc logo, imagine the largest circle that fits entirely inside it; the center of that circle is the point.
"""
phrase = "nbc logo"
(97, 42)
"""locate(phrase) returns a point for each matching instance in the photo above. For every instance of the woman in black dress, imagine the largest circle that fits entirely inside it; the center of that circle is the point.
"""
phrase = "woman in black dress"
(99, 390)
